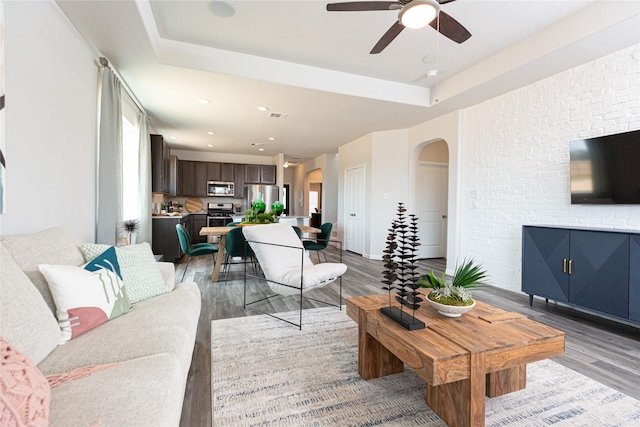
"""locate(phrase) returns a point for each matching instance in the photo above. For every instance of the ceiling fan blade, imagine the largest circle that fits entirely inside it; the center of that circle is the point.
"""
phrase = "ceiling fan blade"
(445, 1)
(388, 37)
(358, 6)
(451, 28)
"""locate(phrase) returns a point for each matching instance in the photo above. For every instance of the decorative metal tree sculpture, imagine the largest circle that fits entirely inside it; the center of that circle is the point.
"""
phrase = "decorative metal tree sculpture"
(400, 265)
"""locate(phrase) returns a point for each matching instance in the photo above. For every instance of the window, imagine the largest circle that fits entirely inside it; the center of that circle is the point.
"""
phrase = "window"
(130, 166)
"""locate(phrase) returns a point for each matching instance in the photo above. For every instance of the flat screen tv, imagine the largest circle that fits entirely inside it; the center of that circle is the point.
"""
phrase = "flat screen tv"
(606, 169)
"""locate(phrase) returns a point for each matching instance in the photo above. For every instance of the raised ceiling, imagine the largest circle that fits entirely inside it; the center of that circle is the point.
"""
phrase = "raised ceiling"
(296, 58)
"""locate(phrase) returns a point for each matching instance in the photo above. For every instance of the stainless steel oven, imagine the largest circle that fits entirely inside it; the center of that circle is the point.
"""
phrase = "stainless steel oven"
(218, 221)
(219, 214)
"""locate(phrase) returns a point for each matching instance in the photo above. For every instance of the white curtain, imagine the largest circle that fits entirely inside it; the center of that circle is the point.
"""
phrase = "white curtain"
(109, 199)
(144, 191)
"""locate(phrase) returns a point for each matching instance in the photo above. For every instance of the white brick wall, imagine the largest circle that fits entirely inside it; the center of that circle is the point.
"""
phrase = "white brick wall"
(515, 158)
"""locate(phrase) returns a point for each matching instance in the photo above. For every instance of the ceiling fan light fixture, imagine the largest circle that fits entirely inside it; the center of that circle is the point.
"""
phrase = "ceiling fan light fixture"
(222, 9)
(418, 13)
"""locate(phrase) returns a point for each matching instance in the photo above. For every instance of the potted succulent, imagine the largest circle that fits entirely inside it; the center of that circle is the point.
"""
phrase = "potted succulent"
(453, 298)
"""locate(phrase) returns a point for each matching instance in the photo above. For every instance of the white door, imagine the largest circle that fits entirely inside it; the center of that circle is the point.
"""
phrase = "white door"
(354, 210)
(432, 228)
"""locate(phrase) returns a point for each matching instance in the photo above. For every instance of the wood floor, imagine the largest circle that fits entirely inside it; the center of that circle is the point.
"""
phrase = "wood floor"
(604, 351)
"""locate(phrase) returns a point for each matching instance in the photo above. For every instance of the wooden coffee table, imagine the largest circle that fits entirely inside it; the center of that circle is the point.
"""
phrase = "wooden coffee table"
(483, 352)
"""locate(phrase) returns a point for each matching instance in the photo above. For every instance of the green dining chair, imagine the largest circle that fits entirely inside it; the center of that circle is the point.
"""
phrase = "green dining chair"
(321, 242)
(199, 249)
(236, 246)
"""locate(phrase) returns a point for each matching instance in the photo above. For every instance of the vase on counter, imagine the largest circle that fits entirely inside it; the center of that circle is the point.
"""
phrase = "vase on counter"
(259, 205)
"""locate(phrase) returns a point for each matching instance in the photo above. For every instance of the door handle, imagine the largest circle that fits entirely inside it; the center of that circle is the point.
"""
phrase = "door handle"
(570, 266)
(564, 265)
(444, 216)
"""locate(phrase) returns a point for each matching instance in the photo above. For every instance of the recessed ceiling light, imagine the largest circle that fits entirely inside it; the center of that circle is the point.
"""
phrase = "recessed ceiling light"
(209, 145)
(260, 149)
(432, 58)
(172, 137)
(432, 73)
(211, 133)
(204, 101)
(271, 138)
(263, 109)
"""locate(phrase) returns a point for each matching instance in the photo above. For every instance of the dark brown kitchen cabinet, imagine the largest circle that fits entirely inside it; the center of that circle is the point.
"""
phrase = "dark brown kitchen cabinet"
(160, 155)
(165, 237)
(200, 177)
(199, 221)
(187, 177)
(220, 172)
(213, 171)
(227, 172)
(238, 188)
(259, 174)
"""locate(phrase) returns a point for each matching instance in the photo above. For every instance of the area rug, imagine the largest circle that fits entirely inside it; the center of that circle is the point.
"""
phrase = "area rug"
(266, 372)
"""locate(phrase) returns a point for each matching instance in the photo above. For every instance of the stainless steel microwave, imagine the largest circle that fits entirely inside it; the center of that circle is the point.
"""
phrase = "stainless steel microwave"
(220, 189)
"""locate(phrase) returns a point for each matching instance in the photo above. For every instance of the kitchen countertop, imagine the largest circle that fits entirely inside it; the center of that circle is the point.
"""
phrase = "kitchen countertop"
(177, 215)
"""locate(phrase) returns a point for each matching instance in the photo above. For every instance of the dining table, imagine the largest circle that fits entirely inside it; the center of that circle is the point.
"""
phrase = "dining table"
(221, 232)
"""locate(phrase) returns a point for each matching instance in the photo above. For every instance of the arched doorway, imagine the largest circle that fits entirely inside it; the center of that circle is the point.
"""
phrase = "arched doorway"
(433, 193)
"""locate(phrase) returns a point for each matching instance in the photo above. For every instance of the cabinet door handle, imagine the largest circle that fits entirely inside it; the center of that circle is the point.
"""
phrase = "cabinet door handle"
(564, 265)
(570, 266)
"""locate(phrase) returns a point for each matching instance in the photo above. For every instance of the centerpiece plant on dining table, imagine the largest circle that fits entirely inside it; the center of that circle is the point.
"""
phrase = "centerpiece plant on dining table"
(253, 216)
(457, 291)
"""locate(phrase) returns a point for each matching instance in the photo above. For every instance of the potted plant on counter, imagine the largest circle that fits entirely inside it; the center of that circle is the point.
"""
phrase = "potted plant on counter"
(453, 298)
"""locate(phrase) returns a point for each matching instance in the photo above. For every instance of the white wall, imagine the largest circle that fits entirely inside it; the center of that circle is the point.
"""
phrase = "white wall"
(389, 174)
(328, 164)
(51, 84)
(515, 168)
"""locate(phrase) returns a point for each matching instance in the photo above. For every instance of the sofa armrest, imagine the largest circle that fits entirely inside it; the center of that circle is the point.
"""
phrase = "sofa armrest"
(168, 271)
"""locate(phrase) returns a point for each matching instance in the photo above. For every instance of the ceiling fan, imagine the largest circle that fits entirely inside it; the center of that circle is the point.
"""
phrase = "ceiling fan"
(413, 14)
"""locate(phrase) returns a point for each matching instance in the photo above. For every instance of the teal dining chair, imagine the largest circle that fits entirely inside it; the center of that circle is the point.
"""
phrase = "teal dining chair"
(236, 246)
(199, 249)
(321, 242)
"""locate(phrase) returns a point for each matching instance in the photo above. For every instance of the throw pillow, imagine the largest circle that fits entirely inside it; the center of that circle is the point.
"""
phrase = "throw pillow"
(140, 271)
(25, 394)
(87, 297)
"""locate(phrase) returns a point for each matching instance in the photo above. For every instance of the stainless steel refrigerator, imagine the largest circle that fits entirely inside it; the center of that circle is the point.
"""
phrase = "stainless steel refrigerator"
(270, 194)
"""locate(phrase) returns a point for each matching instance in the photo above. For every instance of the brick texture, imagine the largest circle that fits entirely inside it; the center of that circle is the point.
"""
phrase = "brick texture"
(515, 158)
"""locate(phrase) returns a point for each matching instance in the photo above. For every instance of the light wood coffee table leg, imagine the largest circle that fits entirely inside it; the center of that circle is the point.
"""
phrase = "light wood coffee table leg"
(506, 381)
(374, 360)
(461, 403)
(219, 258)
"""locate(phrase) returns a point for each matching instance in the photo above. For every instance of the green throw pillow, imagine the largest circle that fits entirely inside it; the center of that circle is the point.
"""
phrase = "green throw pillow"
(140, 273)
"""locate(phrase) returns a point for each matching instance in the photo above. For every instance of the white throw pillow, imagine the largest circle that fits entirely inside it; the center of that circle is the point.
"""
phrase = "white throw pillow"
(140, 272)
(86, 297)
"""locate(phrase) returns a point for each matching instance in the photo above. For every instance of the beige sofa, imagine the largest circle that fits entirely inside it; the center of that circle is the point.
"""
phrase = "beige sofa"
(152, 344)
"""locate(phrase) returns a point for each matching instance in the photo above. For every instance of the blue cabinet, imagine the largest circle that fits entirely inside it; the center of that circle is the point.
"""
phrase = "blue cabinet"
(594, 269)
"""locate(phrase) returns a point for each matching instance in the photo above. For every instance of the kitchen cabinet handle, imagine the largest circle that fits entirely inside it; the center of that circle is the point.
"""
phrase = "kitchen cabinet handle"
(564, 265)
(570, 266)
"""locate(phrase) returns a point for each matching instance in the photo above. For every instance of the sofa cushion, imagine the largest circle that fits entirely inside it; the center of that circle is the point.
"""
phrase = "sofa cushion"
(24, 391)
(25, 319)
(141, 392)
(140, 271)
(56, 245)
(166, 323)
(87, 297)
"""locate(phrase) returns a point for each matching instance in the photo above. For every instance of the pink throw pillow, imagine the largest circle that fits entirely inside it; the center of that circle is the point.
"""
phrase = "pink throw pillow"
(24, 391)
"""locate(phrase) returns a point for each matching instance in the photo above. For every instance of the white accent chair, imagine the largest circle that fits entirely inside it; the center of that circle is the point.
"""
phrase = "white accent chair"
(287, 268)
